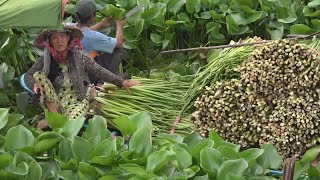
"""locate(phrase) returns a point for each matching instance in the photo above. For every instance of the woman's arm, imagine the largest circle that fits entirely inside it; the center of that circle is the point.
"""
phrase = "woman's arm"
(98, 72)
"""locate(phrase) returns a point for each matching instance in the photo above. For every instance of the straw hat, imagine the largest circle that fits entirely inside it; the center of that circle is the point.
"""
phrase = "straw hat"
(45, 34)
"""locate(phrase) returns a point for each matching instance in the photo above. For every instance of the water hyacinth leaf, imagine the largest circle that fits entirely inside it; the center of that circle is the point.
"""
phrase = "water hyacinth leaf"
(234, 177)
(253, 15)
(55, 120)
(225, 143)
(249, 3)
(105, 152)
(276, 33)
(7, 74)
(286, 14)
(165, 43)
(157, 159)
(81, 148)
(310, 155)
(228, 152)
(259, 178)
(4, 116)
(190, 172)
(192, 139)
(314, 4)
(65, 150)
(315, 24)
(21, 169)
(4, 99)
(67, 175)
(97, 127)
(300, 29)
(215, 15)
(72, 127)
(125, 126)
(10, 46)
(270, 158)
(172, 22)
(193, 6)
(94, 141)
(183, 156)
(313, 173)
(211, 159)
(195, 152)
(22, 100)
(153, 12)
(183, 17)
(224, 8)
(213, 27)
(133, 169)
(299, 168)
(256, 169)
(205, 177)
(35, 171)
(214, 136)
(174, 138)
(204, 15)
(113, 11)
(19, 137)
(175, 5)
(141, 141)
(129, 157)
(22, 157)
(47, 144)
(156, 38)
(132, 32)
(309, 12)
(5, 160)
(49, 169)
(250, 155)
(13, 120)
(48, 135)
(233, 28)
(70, 9)
(236, 167)
(86, 171)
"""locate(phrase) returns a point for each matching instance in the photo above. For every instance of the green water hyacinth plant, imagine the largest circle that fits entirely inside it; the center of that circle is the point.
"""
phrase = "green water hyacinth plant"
(176, 24)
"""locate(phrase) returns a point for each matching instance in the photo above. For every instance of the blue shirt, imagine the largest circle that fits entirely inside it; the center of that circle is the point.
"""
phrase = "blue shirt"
(96, 41)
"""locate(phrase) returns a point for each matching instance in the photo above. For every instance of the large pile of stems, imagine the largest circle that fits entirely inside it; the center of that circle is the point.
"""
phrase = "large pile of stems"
(162, 99)
(220, 67)
(276, 100)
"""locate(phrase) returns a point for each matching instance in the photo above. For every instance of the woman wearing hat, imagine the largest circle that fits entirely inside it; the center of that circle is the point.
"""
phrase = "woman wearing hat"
(61, 76)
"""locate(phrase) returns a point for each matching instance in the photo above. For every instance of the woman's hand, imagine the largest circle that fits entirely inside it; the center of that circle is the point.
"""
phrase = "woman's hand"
(127, 84)
(42, 124)
(37, 88)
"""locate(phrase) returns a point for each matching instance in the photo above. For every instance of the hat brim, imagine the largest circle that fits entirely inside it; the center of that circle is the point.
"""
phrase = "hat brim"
(44, 35)
(98, 7)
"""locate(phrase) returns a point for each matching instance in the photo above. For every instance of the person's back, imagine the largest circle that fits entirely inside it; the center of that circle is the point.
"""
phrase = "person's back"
(106, 51)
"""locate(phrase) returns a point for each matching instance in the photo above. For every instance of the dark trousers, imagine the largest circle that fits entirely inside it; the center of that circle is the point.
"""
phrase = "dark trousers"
(110, 62)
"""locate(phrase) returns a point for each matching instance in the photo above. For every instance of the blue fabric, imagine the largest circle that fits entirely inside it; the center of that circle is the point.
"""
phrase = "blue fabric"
(24, 86)
(96, 41)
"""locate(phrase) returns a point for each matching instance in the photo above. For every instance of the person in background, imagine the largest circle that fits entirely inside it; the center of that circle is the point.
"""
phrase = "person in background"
(60, 78)
(106, 51)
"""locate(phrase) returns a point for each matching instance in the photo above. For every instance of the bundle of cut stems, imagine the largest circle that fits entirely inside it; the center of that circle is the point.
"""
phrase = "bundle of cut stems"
(162, 99)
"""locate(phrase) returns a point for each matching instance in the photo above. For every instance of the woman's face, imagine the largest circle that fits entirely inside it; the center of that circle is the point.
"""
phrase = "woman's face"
(59, 41)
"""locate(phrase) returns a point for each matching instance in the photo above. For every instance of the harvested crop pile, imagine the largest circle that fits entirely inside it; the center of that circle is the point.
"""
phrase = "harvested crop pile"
(276, 100)
(162, 99)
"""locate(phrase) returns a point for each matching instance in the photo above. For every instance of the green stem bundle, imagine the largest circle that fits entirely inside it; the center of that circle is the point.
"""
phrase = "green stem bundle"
(162, 99)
